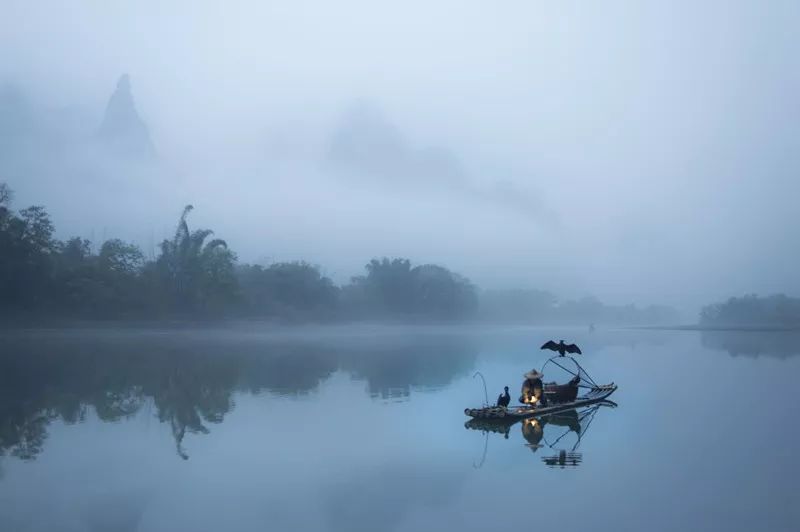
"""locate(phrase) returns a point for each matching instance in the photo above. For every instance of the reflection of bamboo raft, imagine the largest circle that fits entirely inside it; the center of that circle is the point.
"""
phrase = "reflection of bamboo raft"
(568, 418)
(489, 412)
(496, 425)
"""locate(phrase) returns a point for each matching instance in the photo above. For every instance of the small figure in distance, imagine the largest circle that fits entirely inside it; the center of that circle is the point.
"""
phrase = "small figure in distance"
(561, 348)
(504, 398)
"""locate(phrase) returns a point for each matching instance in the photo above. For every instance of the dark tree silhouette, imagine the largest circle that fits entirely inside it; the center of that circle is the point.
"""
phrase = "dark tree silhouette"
(751, 310)
(195, 275)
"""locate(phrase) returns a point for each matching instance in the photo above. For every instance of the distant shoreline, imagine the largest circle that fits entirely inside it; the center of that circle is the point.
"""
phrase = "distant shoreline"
(267, 325)
(728, 328)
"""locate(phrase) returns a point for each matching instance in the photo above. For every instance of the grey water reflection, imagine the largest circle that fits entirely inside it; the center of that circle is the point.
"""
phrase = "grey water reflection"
(191, 382)
(777, 344)
(350, 430)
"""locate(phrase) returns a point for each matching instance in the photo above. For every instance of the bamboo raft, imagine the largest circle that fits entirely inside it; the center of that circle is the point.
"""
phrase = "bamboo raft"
(595, 394)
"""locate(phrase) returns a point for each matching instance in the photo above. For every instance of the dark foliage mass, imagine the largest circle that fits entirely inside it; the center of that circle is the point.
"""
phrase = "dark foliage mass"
(393, 287)
(777, 311)
(39, 274)
(197, 275)
(289, 290)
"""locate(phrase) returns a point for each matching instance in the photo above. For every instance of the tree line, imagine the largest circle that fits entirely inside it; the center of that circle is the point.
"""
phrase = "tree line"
(778, 311)
(197, 275)
(542, 307)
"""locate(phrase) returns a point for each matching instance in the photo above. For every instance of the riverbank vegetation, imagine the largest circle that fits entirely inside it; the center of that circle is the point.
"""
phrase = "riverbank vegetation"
(776, 311)
(196, 275)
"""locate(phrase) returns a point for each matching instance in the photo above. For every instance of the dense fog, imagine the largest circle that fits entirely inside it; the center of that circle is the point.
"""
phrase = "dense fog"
(627, 151)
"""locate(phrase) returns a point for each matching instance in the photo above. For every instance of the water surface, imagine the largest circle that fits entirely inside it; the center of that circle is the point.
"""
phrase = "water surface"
(346, 429)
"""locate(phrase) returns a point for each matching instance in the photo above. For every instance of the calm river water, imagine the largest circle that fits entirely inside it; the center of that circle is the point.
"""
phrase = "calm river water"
(362, 429)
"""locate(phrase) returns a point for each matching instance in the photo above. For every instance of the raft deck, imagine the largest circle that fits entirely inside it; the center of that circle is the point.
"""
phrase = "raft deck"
(594, 395)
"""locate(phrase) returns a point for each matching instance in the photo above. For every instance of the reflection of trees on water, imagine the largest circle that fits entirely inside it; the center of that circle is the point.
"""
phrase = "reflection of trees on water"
(777, 344)
(190, 383)
(39, 388)
(287, 369)
(392, 373)
(193, 391)
(22, 434)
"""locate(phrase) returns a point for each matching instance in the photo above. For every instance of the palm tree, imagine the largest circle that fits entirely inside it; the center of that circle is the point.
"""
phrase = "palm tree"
(194, 268)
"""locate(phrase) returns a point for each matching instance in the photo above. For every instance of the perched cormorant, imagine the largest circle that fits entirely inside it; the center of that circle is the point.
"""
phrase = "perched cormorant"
(561, 348)
(504, 399)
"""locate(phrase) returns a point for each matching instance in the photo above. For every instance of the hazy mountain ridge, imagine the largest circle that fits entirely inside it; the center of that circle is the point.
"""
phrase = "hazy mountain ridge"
(367, 146)
(122, 129)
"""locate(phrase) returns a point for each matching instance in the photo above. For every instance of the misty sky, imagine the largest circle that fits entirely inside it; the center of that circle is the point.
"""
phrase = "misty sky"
(632, 150)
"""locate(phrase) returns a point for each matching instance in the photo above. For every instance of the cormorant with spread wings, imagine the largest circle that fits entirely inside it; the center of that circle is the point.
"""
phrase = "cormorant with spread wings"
(561, 348)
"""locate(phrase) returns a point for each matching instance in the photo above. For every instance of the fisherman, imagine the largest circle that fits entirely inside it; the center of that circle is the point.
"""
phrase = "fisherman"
(532, 388)
(504, 398)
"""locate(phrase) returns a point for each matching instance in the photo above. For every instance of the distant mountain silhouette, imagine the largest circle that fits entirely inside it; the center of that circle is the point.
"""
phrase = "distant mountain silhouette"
(367, 142)
(367, 145)
(123, 131)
